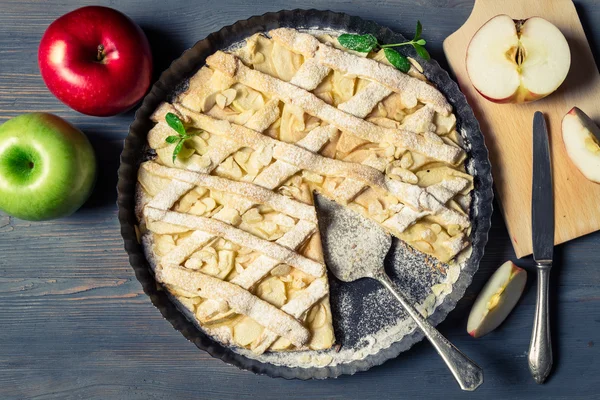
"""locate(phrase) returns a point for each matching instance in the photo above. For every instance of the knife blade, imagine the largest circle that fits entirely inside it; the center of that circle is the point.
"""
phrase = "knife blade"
(542, 229)
(542, 199)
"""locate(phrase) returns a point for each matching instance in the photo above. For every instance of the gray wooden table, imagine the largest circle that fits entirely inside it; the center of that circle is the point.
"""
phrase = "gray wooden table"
(74, 322)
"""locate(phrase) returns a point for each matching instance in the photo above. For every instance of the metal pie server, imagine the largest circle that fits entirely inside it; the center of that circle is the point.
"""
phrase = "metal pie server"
(542, 227)
(361, 254)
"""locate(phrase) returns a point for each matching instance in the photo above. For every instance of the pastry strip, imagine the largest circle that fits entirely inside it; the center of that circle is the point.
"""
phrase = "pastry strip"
(448, 188)
(363, 67)
(442, 191)
(185, 248)
(287, 152)
(239, 300)
(276, 173)
(265, 117)
(363, 102)
(238, 236)
(350, 188)
(420, 121)
(296, 308)
(411, 195)
(311, 104)
(310, 75)
(403, 219)
(257, 194)
(216, 154)
(165, 199)
(264, 264)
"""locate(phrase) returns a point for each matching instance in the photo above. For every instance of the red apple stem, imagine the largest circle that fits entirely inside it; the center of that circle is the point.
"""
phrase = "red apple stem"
(100, 55)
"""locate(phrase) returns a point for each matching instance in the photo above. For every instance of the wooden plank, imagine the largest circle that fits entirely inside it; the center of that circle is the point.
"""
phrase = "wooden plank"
(74, 322)
(507, 127)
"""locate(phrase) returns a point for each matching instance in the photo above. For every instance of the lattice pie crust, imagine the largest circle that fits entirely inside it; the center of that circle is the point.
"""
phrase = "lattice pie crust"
(230, 228)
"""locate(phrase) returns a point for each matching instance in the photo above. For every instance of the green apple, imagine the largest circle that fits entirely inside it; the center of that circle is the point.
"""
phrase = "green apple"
(47, 167)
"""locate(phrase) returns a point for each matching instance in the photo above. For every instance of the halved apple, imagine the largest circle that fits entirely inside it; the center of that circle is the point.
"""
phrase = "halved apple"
(516, 61)
(582, 141)
(497, 299)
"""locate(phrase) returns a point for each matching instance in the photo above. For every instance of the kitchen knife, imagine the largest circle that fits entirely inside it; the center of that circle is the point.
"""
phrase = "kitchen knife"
(542, 227)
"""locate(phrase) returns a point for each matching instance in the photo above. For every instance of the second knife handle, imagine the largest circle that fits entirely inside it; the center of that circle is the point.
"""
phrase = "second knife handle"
(540, 348)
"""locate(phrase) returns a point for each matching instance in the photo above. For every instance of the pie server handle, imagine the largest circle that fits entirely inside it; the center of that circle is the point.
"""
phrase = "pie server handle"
(468, 374)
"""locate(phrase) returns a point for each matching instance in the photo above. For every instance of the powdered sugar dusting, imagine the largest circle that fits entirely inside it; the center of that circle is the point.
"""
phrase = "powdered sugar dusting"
(349, 255)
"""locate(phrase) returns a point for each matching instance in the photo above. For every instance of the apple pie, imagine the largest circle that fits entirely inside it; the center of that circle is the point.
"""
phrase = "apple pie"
(225, 202)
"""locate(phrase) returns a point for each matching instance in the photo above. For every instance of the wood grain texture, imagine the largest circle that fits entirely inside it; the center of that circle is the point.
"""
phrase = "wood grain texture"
(74, 323)
(507, 127)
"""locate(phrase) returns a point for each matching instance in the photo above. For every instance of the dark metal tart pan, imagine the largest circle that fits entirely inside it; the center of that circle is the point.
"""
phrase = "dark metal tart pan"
(370, 319)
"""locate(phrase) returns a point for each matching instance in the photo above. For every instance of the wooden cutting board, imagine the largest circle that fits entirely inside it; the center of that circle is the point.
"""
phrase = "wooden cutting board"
(508, 128)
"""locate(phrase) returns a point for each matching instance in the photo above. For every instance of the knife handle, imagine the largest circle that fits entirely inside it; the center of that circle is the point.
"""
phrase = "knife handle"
(540, 348)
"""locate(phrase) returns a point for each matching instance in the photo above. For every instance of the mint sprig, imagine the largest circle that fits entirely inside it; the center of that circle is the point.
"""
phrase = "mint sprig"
(367, 43)
(177, 125)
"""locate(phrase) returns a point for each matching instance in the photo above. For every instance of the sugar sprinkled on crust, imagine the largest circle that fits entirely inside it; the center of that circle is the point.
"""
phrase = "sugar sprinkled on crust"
(411, 195)
(221, 229)
(295, 307)
(257, 194)
(240, 300)
(363, 67)
(264, 264)
(311, 104)
(361, 104)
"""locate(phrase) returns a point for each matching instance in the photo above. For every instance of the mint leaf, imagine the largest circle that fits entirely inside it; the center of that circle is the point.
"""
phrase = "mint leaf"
(418, 31)
(421, 51)
(397, 60)
(360, 43)
(171, 139)
(175, 123)
(177, 149)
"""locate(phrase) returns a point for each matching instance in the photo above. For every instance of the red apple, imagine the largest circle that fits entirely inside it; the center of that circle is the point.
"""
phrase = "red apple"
(96, 60)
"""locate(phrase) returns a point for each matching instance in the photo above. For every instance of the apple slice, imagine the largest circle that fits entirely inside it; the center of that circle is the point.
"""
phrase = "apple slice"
(515, 61)
(497, 299)
(582, 141)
